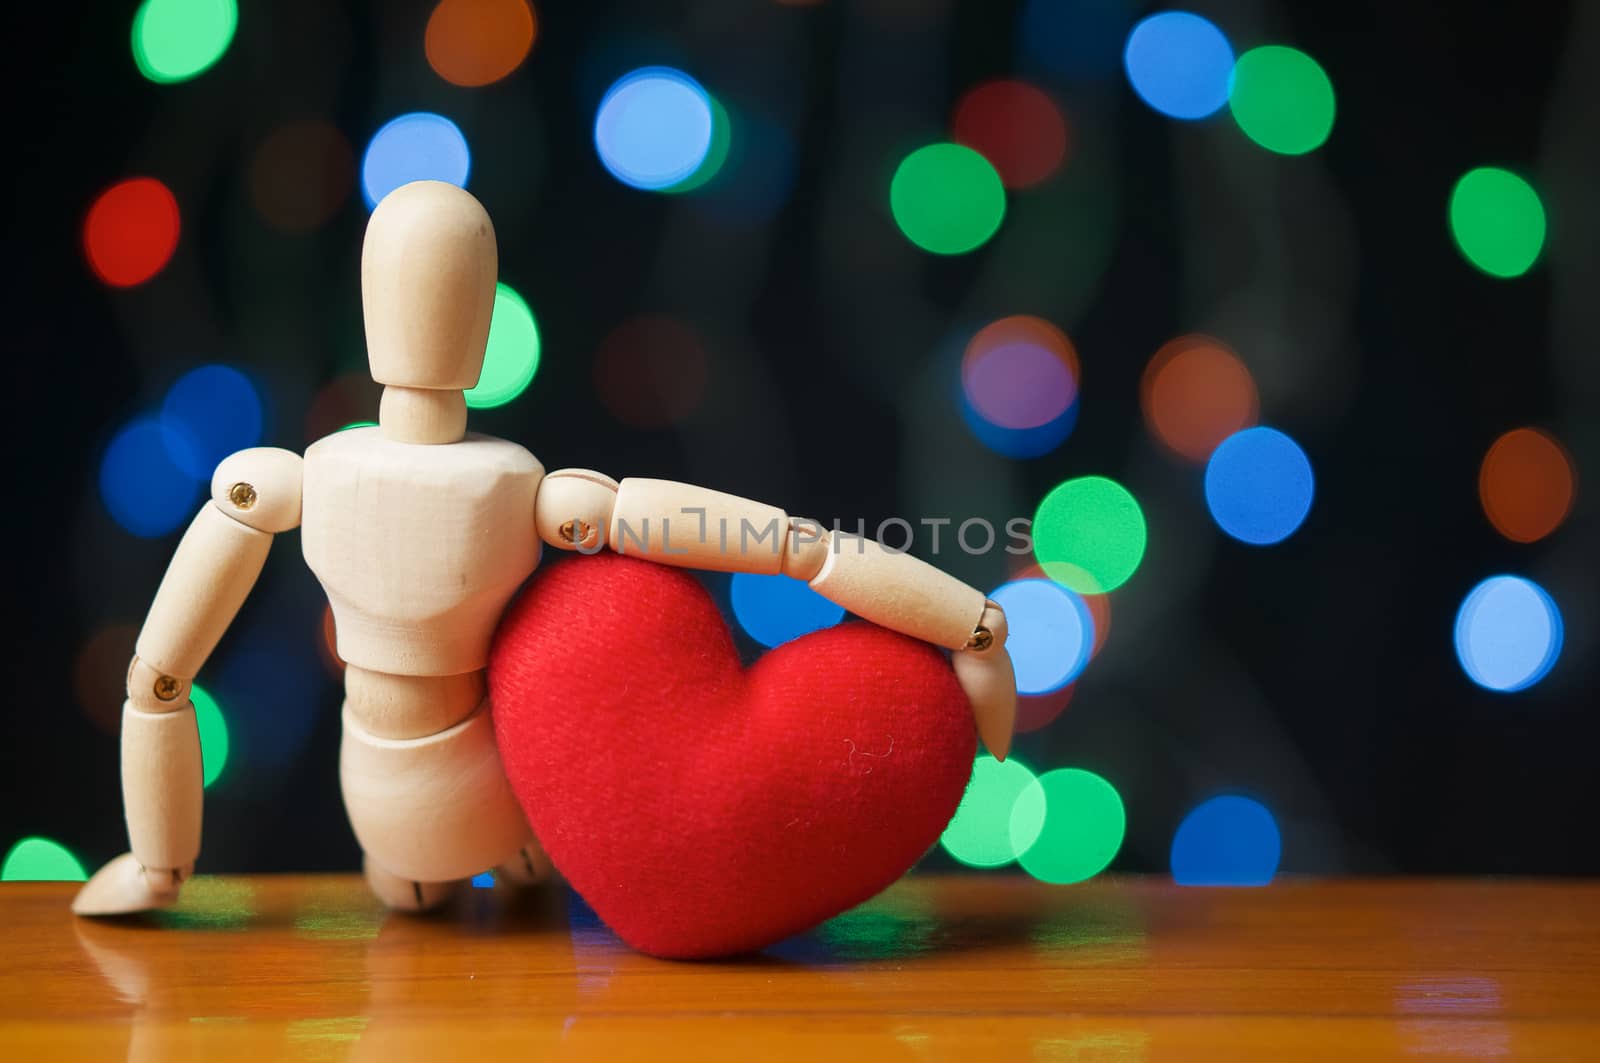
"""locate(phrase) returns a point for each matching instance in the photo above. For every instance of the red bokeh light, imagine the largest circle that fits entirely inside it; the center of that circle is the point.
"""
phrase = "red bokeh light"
(131, 231)
(346, 398)
(1017, 127)
(1037, 711)
(650, 372)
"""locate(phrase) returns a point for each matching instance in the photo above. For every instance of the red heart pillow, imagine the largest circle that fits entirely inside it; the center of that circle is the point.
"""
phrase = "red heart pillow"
(700, 808)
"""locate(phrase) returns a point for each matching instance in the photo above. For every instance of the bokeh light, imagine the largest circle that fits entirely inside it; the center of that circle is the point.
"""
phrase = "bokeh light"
(1016, 126)
(301, 174)
(511, 356)
(755, 177)
(1226, 841)
(175, 40)
(143, 489)
(1195, 393)
(1508, 634)
(979, 834)
(775, 609)
(1526, 485)
(1179, 64)
(947, 199)
(650, 372)
(653, 128)
(1019, 443)
(1019, 386)
(1051, 633)
(209, 413)
(1035, 712)
(329, 645)
(213, 733)
(1099, 605)
(1259, 486)
(269, 723)
(1497, 221)
(100, 674)
(420, 146)
(716, 155)
(997, 406)
(131, 231)
(1077, 822)
(1089, 534)
(1020, 372)
(478, 42)
(1282, 99)
(1080, 40)
(41, 860)
(347, 399)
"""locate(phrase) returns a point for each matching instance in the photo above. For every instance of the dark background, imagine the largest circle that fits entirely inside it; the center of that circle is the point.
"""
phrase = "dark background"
(1318, 676)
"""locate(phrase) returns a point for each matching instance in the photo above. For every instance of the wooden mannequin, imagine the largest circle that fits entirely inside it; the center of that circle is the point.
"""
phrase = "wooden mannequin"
(420, 533)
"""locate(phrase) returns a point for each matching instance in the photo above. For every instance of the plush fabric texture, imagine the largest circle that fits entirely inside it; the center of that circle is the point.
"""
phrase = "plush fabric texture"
(703, 809)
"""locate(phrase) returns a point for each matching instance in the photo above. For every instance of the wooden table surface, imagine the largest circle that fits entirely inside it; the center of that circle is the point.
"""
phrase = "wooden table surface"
(309, 967)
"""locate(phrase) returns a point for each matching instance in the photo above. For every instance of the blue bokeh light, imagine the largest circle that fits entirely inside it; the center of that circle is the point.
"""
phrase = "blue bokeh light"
(1180, 64)
(1081, 39)
(209, 413)
(1508, 633)
(775, 609)
(1019, 442)
(420, 146)
(483, 880)
(653, 128)
(1051, 633)
(273, 688)
(1259, 486)
(1226, 841)
(142, 487)
(757, 177)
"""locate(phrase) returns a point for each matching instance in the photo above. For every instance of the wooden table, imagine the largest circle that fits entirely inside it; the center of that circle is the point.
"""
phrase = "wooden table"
(309, 967)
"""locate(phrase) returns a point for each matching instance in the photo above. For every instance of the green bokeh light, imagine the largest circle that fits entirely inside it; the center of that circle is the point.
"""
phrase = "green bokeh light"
(512, 356)
(213, 733)
(980, 835)
(41, 860)
(1089, 534)
(947, 199)
(175, 40)
(716, 154)
(1083, 825)
(1497, 221)
(1282, 99)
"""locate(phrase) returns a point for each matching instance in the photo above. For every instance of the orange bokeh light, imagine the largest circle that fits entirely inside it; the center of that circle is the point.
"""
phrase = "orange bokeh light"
(1020, 329)
(301, 174)
(1195, 393)
(1526, 485)
(477, 42)
(330, 644)
(1014, 125)
(100, 674)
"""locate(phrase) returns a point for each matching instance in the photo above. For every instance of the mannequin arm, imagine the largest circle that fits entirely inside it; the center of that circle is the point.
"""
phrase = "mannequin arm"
(694, 527)
(255, 493)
